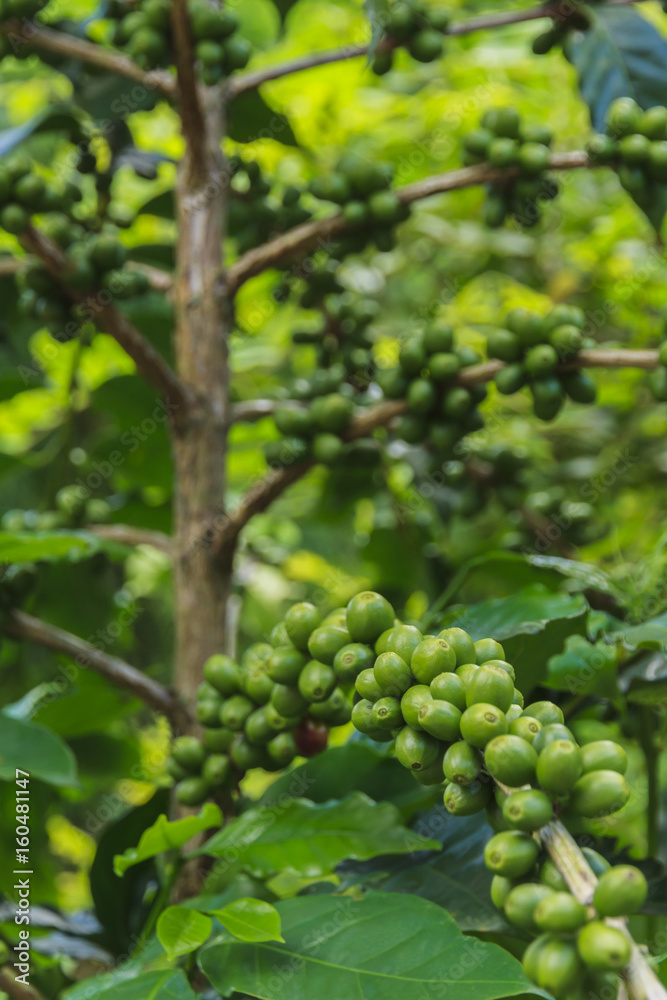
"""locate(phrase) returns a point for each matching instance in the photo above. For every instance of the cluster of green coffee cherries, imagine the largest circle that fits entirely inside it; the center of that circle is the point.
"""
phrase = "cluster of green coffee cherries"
(456, 718)
(370, 208)
(416, 26)
(533, 347)
(343, 342)
(255, 212)
(505, 142)
(635, 144)
(144, 31)
(573, 18)
(24, 192)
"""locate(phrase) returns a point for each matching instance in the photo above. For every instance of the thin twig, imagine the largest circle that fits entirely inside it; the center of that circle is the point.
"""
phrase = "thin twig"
(192, 117)
(262, 494)
(24, 626)
(150, 363)
(243, 82)
(319, 233)
(17, 991)
(127, 534)
(50, 40)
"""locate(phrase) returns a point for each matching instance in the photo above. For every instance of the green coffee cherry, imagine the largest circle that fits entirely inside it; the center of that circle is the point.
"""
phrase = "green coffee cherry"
(416, 751)
(527, 810)
(207, 711)
(316, 681)
(400, 639)
(350, 660)
(511, 853)
(257, 727)
(466, 671)
(531, 955)
(441, 719)
(490, 685)
(300, 621)
(525, 727)
(282, 749)
(500, 890)
(466, 800)
(462, 764)
(387, 713)
(620, 891)
(246, 755)
(558, 968)
(488, 649)
(481, 722)
(192, 791)
(604, 755)
(522, 902)
(599, 793)
(367, 686)
(223, 673)
(285, 665)
(510, 760)
(325, 641)
(217, 770)
(432, 657)
(545, 712)
(218, 740)
(414, 699)
(288, 701)
(603, 947)
(449, 687)
(560, 913)
(461, 643)
(549, 734)
(392, 674)
(559, 767)
(363, 718)
(189, 752)
(235, 711)
(368, 616)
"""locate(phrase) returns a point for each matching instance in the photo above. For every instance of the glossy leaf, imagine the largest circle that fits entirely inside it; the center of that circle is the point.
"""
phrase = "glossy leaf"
(308, 839)
(251, 118)
(357, 766)
(583, 668)
(455, 878)
(250, 920)
(163, 984)
(165, 836)
(35, 749)
(181, 930)
(385, 945)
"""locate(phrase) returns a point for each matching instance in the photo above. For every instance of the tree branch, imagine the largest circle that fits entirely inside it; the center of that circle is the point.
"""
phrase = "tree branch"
(49, 40)
(150, 363)
(24, 626)
(318, 233)
(243, 82)
(17, 991)
(265, 491)
(192, 116)
(127, 534)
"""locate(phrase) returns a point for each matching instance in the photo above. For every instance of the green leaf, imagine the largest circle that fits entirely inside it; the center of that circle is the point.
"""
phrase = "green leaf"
(456, 878)
(35, 749)
(164, 984)
(649, 635)
(181, 931)
(584, 668)
(356, 766)
(251, 118)
(164, 836)
(308, 839)
(532, 625)
(162, 205)
(620, 55)
(385, 945)
(250, 920)
(31, 546)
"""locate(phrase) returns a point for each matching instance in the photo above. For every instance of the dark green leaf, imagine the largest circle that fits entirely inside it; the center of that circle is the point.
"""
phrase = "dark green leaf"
(35, 749)
(385, 945)
(164, 984)
(357, 766)
(58, 118)
(309, 839)
(251, 118)
(584, 668)
(161, 205)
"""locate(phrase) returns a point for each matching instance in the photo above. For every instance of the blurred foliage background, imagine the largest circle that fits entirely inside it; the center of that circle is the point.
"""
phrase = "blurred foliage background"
(65, 407)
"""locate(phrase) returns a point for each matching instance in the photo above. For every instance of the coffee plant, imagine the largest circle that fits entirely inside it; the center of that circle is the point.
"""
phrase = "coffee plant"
(333, 580)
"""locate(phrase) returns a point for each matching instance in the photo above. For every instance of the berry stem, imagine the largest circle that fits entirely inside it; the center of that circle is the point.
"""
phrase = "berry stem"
(640, 979)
